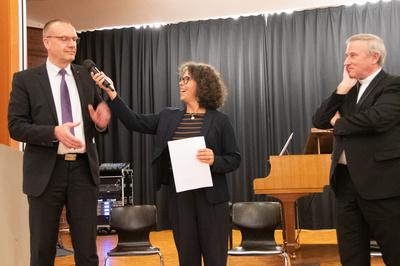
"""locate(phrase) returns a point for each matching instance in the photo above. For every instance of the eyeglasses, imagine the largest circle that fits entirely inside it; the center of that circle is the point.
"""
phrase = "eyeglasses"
(66, 39)
(184, 79)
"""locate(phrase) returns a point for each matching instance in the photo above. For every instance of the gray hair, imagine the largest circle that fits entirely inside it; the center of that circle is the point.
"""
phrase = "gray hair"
(374, 45)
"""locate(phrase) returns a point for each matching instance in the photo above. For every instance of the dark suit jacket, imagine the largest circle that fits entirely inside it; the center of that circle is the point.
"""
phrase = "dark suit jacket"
(218, 133)
(369, 132)
(32, 118)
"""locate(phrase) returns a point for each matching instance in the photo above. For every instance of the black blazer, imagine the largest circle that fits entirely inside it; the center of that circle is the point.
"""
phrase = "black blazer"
(217, 130)
(369, 132)
(32, 118)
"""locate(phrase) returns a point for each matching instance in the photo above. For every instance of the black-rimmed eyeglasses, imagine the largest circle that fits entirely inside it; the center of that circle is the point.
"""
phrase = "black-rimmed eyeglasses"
(66, 39)
(184, 79)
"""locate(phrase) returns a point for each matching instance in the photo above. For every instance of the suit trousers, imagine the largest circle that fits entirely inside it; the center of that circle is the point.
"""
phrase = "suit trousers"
(200, 228)
(71, 184)
(358, 218)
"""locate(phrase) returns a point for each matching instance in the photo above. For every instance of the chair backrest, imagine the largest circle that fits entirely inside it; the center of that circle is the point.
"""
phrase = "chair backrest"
(257, 222)
(133, 223)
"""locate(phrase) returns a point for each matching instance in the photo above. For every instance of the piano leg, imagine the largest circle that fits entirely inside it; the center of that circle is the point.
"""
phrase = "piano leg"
(288, 220)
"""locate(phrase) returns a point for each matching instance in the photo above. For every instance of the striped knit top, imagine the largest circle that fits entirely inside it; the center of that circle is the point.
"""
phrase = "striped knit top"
(189, 127)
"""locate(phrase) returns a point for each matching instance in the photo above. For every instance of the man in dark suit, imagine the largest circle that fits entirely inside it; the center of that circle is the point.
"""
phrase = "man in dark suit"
(364, 112)
(61, 165)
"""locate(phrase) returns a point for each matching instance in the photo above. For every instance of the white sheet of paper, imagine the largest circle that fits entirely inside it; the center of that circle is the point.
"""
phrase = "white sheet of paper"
(189, 173)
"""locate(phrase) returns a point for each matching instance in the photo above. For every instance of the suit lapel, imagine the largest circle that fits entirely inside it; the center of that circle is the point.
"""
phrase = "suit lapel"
(352, 101)
(370, 88)
(83, 98)
(207, 122)
(175, 120)
(44, 82)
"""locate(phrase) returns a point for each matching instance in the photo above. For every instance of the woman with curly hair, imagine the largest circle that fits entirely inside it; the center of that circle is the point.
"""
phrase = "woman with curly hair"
(199, 217)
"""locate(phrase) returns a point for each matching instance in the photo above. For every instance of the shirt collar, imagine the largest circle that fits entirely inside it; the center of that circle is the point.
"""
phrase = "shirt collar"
(53, 70)
(370, 78)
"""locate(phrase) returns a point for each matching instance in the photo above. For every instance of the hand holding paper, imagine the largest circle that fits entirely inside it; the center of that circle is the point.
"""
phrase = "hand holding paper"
(205, 156)
(189, 172)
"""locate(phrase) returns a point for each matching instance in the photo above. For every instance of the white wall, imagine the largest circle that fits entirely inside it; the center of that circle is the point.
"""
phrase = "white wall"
(14, 221)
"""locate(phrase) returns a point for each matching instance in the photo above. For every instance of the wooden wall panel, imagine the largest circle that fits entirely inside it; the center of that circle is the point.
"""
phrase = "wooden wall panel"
(9, 54)
(37, 53)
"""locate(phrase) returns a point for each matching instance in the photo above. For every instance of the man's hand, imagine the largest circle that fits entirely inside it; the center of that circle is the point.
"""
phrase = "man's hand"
(64, 135)
(100, 116)
(346, 84)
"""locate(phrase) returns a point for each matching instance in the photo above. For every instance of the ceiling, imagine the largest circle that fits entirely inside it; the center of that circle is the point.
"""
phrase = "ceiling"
(97, 14)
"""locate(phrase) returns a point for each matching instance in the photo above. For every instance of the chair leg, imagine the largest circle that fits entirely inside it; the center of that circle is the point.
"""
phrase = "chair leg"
(161, 259)
(287, 258)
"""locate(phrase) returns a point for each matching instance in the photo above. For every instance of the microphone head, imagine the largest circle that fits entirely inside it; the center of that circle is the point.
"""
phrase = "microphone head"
(88, 64)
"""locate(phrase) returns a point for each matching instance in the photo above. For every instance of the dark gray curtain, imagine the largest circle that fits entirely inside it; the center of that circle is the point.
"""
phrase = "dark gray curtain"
(277, 70)
(305, 55)
(143, 64)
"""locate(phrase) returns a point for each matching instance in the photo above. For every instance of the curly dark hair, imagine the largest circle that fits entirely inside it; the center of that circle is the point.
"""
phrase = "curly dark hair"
(211, 92)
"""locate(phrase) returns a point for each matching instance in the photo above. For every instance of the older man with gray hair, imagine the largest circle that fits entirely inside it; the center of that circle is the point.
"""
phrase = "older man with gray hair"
(364, 112)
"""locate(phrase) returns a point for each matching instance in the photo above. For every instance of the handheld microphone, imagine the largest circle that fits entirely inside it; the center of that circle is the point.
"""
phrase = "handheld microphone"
(91, 67)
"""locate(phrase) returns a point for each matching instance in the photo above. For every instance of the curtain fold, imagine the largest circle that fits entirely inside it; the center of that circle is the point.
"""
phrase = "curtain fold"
(277, 69)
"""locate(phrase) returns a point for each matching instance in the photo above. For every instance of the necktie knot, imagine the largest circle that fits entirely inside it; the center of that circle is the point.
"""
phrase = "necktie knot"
(62, 72)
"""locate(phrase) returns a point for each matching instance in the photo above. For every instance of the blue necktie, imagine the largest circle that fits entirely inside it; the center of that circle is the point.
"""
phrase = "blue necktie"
(66, 110)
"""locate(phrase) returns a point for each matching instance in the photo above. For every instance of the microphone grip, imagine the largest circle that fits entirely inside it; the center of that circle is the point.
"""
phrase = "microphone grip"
(107, 84)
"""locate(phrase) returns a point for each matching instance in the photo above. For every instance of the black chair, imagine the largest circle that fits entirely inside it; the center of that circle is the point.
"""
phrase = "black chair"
(257, 222)
(133, 225)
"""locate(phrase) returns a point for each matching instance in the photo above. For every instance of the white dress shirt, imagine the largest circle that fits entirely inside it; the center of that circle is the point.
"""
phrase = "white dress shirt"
(55, 81)
(365, 83)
